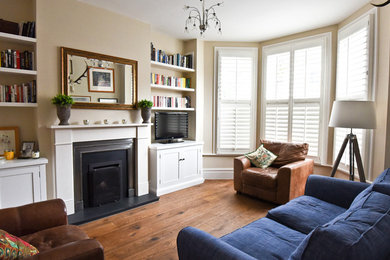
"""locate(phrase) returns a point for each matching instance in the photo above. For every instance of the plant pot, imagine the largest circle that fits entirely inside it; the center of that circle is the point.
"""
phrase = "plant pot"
(63, 113)
(146, 113)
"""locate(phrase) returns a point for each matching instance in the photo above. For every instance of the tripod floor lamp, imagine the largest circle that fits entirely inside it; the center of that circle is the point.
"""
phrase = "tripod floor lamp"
(352, 114)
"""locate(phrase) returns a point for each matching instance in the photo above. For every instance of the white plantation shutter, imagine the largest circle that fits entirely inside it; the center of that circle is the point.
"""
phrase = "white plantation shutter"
(294, 83)
(353, 72)
(236, 95)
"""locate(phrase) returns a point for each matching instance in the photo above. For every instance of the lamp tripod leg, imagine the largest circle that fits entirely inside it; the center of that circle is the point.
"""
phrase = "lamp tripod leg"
(359, 163)
(339, 156)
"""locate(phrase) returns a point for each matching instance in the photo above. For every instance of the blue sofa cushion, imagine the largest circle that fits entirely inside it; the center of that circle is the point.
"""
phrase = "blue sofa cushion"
(362, 232)
(265, 239)
(382, 188)
(384, 177)
(305, 213)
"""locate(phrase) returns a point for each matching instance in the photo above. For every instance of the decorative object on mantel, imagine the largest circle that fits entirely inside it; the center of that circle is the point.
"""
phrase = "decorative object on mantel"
(27, 149)
(146, 109)
(9, 141)
(202, 18)
(63, 103)
(352, 114)
(380, 3)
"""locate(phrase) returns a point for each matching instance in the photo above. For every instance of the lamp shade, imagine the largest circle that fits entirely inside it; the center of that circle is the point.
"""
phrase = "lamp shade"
(353, 114)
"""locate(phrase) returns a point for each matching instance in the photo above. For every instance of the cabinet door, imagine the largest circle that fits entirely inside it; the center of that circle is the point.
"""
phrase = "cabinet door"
(19, 186)
(188, 163)
(169, 167)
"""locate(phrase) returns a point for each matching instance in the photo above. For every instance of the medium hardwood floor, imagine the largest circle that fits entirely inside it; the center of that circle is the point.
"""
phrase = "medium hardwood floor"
(150, 231)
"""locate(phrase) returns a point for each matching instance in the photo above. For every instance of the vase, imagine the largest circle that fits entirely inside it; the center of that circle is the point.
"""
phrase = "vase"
(146, 112)
(63, 113)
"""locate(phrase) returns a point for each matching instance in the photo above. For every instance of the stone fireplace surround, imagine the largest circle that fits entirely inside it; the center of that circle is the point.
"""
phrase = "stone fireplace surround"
(63, 138)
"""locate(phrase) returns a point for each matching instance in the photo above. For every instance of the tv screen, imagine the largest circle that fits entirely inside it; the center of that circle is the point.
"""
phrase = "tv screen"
(170, 125)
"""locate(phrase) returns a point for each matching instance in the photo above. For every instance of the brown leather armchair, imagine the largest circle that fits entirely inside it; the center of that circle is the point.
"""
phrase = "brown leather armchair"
(45, 226)
(282, 181)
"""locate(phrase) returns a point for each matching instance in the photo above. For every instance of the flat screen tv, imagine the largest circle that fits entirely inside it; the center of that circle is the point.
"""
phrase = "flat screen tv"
(170, 126)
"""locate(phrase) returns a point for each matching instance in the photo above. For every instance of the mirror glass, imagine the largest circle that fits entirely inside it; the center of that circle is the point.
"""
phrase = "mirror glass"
(99, 81)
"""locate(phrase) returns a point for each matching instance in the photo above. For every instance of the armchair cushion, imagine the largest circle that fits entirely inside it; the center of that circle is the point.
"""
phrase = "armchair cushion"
(261, 178)
(12, 247)
(286, 152)
(55, 237)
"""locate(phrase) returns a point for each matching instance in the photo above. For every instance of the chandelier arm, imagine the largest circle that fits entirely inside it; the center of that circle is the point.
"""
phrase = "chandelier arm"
(193, 9)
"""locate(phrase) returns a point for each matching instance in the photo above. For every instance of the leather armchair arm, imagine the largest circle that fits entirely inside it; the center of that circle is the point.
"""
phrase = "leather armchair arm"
(292, 178)
(240, 163)
(83, 249)
(33, 217)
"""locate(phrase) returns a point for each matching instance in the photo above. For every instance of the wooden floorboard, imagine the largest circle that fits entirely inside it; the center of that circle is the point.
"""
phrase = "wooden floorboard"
(150, 231)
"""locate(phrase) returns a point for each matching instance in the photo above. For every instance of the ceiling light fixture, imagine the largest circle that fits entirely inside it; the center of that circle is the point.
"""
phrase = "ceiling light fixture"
(202, 18)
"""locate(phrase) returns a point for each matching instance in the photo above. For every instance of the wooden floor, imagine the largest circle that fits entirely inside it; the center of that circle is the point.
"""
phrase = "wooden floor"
(150, 231)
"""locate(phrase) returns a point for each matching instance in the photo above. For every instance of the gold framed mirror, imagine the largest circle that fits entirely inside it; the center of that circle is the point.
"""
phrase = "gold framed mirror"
(98, 81)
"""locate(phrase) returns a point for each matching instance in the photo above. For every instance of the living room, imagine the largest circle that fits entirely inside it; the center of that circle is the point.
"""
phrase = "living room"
(106, 29)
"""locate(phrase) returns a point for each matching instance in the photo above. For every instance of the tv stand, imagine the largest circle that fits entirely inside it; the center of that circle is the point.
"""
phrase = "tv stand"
(175, 166)
(172, 141)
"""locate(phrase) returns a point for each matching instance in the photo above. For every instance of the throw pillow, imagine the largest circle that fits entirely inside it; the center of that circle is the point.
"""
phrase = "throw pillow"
(12, 247)
(261, 158)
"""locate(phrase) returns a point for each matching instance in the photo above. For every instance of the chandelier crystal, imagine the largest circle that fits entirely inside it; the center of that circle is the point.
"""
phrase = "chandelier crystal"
(202, 18)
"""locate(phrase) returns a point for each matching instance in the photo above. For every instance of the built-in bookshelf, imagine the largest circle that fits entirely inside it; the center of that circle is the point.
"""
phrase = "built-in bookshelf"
(21, 62)
(180, 84)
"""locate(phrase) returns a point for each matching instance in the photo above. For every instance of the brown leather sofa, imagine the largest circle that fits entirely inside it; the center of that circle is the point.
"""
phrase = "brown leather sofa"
(45, 226)
(282, 181)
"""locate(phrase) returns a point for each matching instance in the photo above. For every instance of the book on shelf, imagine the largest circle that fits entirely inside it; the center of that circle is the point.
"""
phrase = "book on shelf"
(175, 59)
(169, 81)
(170, 102)
(17, 59)
(24, 28)
(19, 93)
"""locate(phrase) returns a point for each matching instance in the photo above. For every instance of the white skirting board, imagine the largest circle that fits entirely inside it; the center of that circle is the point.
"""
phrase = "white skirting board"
(218, 173)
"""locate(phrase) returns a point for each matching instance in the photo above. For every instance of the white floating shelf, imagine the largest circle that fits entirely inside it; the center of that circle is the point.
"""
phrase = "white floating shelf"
(17, 38)
(172, 67)
(172, 88)
(12, 104)
(18, 71)
(173, 108)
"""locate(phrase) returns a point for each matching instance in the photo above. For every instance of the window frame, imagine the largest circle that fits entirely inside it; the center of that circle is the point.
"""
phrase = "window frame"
(348, 29)
(290, 46)
(254, 51)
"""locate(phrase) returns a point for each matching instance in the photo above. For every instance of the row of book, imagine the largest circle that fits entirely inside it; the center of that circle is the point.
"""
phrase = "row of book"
(176, 59)
(24, 28)
(169, 81)
(19, 93)
(174, 102)
(17, 59)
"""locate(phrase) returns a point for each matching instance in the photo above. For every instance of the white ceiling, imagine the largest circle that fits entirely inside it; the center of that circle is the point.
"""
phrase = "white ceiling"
(242, 20)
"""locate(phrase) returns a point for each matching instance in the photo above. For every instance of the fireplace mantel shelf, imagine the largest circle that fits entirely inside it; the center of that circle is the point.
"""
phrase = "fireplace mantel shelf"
(98, 126)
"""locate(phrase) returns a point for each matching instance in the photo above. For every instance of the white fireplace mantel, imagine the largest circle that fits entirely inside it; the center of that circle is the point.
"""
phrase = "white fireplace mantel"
(63, 138)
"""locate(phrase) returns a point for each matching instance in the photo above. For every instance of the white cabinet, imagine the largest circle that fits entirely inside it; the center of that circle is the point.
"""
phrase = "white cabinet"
(175, 166)
(22, 181)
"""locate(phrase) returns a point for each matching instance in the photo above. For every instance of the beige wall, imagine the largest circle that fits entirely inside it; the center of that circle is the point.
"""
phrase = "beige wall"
(72, 24)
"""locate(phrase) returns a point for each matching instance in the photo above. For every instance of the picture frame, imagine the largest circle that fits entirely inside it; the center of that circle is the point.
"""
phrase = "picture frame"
(101, 79)
(9, 139)
(108, 100)
(27, 149)
(83, 99)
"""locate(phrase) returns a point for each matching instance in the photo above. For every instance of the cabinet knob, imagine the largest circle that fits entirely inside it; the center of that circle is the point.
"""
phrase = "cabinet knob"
(182, 159)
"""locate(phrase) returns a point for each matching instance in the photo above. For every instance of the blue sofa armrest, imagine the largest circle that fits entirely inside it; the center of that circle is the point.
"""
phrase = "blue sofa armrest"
(195, 244)
(333, 190)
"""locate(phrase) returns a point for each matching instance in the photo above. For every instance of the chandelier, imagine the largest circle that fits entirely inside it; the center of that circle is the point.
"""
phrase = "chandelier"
(202, 18)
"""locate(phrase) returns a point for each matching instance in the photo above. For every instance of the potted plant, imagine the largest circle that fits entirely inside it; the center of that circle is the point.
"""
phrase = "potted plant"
(63, 103)
(146, 107)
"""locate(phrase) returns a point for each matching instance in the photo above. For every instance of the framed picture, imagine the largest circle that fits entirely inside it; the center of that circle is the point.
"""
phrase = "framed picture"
(101, 80)
(108, 100)
(27, 149)
(85, 99)
(9, 139)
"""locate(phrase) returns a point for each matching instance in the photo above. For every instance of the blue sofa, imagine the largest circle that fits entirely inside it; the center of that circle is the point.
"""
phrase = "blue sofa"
(335, 219)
